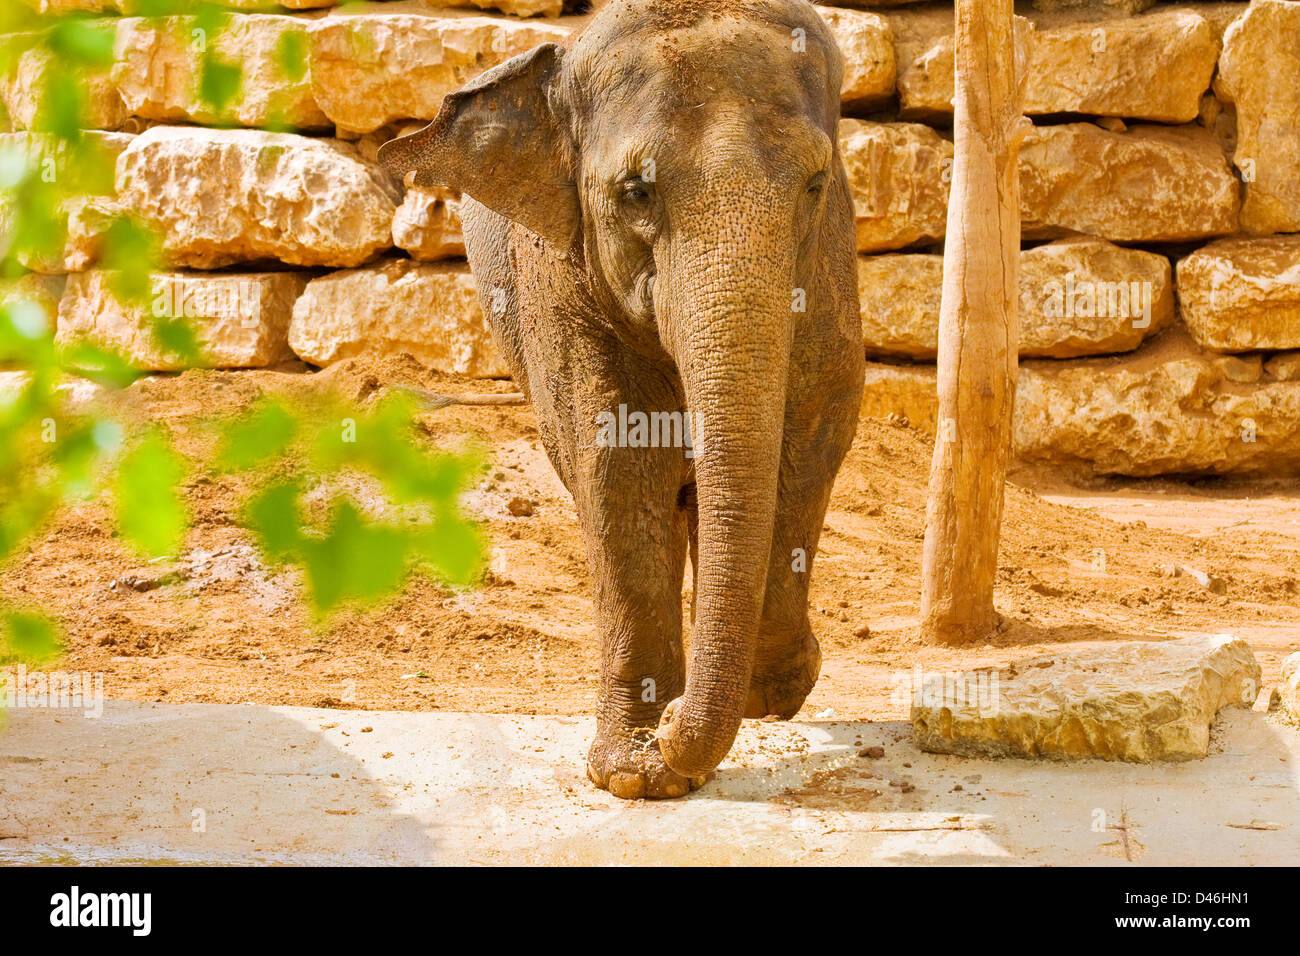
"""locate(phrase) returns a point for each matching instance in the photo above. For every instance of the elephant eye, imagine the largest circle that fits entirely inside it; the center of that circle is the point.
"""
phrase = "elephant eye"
(634, 194)
(816, 184)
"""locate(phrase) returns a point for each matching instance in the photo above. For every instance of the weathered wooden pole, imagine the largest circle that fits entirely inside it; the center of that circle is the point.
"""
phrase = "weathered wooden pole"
(979, 331)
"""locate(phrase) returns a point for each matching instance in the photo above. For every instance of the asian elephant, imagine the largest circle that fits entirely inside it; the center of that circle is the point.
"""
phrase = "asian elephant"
(659, 222)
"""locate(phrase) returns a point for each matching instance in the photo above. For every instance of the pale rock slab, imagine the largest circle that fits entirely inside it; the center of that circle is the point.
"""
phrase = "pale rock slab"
(1132, 700)
(219, 197)
(1290, 688)
(1164, 409)
(522, 8)
(90, 205)
(42, 291)
(1077, 297)
(1148, 184)
(1283, 367)
(899, 174)
(131, 7)
(900, 295)
(867, 43)
(427, 224)
(1168, 408)
(21, 89)
(240, 319)
(429, 310)
(1126, 7)
(901, 393)
(1241, 369)
(1260, 72)
(1242, 294)
(157, 71)
(1155, 67)
(1088, 296)
(374, 69)
(875, 4)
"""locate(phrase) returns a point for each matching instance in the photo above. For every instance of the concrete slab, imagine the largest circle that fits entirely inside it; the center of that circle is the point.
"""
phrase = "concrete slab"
(247, 784)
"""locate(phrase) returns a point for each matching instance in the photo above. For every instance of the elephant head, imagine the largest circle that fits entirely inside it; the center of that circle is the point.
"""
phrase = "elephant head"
(684, 153)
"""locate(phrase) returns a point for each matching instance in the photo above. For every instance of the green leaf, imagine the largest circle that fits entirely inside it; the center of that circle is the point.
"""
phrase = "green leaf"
(291, 55)
(31, 638)
(61, 106)
(219, 82)
(149, 509)
(98, 364)
(264, 433)
(79, 42)
(454, 548)
(272, 514)
(130, 252)
(353, 561)
(177, 338)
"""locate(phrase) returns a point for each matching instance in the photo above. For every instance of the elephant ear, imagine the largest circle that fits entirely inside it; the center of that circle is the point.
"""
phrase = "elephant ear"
(503, 141)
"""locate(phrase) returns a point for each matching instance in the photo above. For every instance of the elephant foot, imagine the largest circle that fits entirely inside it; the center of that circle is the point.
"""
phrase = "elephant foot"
(633, 769)
(783, 679)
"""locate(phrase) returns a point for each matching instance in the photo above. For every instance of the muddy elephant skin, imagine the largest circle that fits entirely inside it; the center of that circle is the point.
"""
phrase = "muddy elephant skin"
(662, 235)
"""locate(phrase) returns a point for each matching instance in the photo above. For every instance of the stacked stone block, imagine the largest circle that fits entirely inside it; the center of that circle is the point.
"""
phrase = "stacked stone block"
(1160, 203)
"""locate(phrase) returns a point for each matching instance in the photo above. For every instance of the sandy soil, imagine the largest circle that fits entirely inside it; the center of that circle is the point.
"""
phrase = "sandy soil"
(1081, 562)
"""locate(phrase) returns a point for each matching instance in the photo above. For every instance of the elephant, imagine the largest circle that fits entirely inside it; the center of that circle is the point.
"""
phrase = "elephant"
(660, 227)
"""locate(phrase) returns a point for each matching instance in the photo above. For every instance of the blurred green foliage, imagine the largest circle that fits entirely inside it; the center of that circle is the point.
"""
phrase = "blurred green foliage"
(347, 558)
(51, 453)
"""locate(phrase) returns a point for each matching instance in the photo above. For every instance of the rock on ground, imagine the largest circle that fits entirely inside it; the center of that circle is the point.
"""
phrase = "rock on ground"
(240, 320)
(1132, 700)
(428, 310)
(905, 394)
(1148, 68)
(1290, 688)
(219, 197)
(1149, 184)
(1243, 294)
(1260, 72)
(899, 174)
(1077, 297)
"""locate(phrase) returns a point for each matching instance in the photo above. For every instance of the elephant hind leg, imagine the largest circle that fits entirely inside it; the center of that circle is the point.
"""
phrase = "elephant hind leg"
(787, 664)
(787, 661)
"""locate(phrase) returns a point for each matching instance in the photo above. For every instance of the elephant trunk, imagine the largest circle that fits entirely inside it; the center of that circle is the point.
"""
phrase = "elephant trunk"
(733, 351)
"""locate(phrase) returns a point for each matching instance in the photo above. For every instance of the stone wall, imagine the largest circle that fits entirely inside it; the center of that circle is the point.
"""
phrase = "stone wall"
(1160, 289)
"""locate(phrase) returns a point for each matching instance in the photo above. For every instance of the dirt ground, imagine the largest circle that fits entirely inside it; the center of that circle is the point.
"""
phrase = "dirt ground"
(1083, 560)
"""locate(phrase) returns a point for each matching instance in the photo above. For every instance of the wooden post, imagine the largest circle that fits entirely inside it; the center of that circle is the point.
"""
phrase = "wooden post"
(979, 331)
